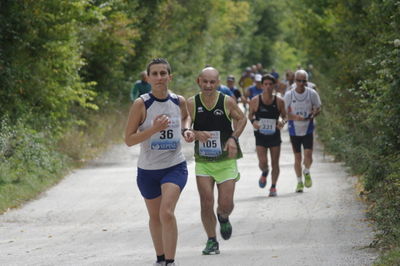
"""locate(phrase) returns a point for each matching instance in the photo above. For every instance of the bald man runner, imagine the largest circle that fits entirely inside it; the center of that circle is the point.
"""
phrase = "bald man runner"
(216, 151)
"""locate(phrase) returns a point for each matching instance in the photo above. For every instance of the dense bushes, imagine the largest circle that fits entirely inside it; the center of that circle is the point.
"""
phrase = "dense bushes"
(28, 162)
(356, 48)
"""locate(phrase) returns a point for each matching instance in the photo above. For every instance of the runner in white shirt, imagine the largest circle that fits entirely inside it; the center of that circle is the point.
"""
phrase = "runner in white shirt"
(302, 105)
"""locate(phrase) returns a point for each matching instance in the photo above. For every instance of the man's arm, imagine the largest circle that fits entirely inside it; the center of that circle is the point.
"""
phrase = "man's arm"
(316, 101)
(290, 115)
(253, 106)
(282, 111)
(239, 123)
(237, 116)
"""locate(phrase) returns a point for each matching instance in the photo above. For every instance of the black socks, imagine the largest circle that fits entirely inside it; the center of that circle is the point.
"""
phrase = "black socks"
(161, 258)
(265, 173)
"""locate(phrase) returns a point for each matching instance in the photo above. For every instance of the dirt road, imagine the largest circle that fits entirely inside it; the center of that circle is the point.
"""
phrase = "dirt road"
(96, 216)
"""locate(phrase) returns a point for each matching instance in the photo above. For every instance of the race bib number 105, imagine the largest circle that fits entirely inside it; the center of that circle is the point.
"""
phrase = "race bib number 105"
(211, 147)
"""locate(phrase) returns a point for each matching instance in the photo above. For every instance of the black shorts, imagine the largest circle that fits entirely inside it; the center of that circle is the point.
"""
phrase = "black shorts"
(306, 140)
(268, 141)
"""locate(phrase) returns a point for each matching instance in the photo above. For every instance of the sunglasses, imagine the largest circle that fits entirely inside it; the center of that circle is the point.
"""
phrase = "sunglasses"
(301, 80)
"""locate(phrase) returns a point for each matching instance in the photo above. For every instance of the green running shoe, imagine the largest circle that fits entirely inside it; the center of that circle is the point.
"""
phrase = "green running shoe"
(226, 230)
(299, 187)
(212, 248)
(307, 180)
(225, 227)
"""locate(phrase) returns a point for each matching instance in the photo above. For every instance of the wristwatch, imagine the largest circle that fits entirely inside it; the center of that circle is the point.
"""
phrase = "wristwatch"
(184, 130)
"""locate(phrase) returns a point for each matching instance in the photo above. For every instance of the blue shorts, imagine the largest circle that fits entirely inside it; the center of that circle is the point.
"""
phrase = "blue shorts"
(150, 181)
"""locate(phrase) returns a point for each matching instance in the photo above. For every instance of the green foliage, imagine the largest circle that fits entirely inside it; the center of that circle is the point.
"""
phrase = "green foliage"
(28, 163)
(386, 211)
(355, 45)
(40, 60)
(265, 31)
(108, 39)
(390, 258)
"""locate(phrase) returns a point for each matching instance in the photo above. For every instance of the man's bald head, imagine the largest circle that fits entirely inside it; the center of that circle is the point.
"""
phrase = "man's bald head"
(209, 71)
(208, 80)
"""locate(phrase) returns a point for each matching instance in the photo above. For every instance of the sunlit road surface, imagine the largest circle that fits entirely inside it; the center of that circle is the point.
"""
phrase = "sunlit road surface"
(96, 216)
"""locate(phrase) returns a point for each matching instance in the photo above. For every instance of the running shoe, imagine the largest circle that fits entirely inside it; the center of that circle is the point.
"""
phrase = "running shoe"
(262, 182)
(161, 263)
(272, 192)
(299, 187)
(225, 228)
(307, 180)
(211, 248)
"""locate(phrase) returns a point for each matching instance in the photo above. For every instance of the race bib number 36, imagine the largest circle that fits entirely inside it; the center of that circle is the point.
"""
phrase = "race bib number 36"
(167, 139)
(267, 126)
(211, 147)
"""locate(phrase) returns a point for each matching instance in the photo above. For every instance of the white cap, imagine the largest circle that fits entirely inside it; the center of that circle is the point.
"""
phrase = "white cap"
(258, 78)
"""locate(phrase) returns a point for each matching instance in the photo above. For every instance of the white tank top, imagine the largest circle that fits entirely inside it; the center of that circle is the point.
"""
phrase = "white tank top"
(301, 104)
(163, 149)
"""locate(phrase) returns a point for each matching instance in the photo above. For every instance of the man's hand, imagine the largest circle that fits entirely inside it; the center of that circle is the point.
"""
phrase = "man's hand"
(202, 136)
(256, 124)
(281, 124)
(231, 147)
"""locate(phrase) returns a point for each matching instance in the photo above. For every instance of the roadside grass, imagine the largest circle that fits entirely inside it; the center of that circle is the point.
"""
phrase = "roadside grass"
(85, 142)
(389, 258)
(31, 162)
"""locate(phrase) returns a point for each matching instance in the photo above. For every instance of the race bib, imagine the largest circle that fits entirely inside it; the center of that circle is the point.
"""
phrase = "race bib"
(169, 138)
(267, 126)
(211, 147)
(302, 109)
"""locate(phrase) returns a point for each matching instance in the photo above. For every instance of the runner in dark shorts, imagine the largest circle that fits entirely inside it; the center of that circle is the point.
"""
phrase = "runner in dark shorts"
(265, 112)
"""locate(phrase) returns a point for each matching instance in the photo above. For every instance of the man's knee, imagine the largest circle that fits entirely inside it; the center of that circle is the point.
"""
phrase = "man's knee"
(297, 157)
(225, 207)
(308, 155)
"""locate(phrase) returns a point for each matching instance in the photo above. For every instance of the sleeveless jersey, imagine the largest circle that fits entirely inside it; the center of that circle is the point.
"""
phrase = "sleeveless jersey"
(301, 104)
(217, 122)
(163, 149)
(268, 116)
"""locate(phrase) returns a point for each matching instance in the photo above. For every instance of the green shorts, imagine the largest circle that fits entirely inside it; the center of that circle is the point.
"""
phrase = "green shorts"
(220, 171)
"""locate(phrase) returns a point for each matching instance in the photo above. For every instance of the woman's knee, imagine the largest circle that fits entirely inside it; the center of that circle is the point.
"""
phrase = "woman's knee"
(166, 215)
